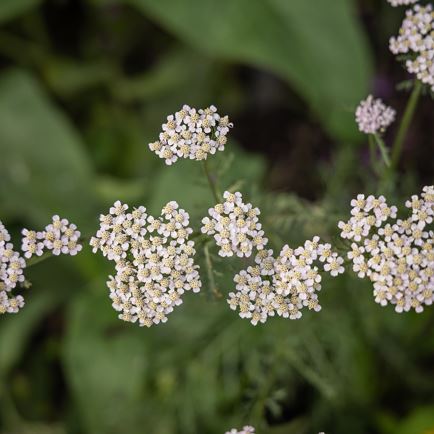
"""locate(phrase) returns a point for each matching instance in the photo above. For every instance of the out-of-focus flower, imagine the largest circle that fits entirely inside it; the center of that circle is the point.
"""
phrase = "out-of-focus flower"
(246, 430)
(11, 274)
(154, 261)
(416, 40)
(398, 258)
(373, 116)
(396, 3)
(235, 226)
(192, 134)
(283, 286)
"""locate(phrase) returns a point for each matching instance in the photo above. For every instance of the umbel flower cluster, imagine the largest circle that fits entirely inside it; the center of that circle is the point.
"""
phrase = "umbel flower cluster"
(59, 237)
(11, 274)
(416, 40)
(246, 430)
(153, 261)
(397, 257)
(283, 285)
(373, 116)
(235, 226)
(193, 134)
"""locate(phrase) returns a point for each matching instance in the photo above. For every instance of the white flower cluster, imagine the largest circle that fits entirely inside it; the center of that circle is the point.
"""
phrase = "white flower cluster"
(373, 116)
(235, 226)
(193, 134)
(154, 261)
(396, 3)
(416, 37)
(398, 258)
(284, 285)
(59, 237)
(246, 430)
(11, 273)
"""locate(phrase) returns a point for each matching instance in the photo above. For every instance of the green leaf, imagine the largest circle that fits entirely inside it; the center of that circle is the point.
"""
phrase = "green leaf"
(316, 46)
(105, 363)
(44, 169)
(11, 8)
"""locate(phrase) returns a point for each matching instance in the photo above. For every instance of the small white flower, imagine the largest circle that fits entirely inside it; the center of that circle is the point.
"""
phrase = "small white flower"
(192, 134)
(398, 258)
(154, 261)
(235, 226)
(11, 273)
(373, 116)
(416, 38)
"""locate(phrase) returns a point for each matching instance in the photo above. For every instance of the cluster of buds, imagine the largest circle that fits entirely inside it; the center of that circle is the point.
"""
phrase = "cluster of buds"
(245, 430)
(235, 226)
(416, 39)
(373, 116)
(11, 274)
(284, 286)
(398, 258)
(192, 134)
(154, 261)
(59, 237)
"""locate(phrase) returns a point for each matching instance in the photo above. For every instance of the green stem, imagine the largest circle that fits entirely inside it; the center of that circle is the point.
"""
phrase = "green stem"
(373, 154)
(211, 182)
(37, 259)
(383, 150)
(210, 272)
(405, 123)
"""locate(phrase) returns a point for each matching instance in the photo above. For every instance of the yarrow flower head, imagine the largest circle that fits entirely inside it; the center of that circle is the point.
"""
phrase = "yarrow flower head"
(397, 257)
(373, 116)
(396, 3)
(11, 274)
(235, 226)
(416, 40)
(153, 261)
(246, 430)
(193, 134)
(59, 237)
(285, 285)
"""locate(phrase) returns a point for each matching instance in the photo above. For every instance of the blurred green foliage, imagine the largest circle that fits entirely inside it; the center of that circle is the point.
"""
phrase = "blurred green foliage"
(77, 108)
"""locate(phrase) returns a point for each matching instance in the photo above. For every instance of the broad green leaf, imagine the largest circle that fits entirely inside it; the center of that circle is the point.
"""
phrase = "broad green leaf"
(44, 169)
(11, 8)
(105, 365)
(316, 46)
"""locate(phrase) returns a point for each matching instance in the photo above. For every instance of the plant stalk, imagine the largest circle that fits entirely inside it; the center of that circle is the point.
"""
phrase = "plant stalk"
(211, 182)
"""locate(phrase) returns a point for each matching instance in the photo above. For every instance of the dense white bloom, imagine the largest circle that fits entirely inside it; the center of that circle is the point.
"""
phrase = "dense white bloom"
(154, 261)
(416, 40)
(192, 134)
(59, 237)
(398, 258)
(235, 226)
(283, 286)
(11, 274)
(395, 3)
(246, 430)
(373, 116)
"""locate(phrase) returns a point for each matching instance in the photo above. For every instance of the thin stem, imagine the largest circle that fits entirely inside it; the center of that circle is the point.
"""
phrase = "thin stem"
(373, 153)
(383, 150)
(37, 259)
(209, 268)
(211, 181)
(405, 123)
